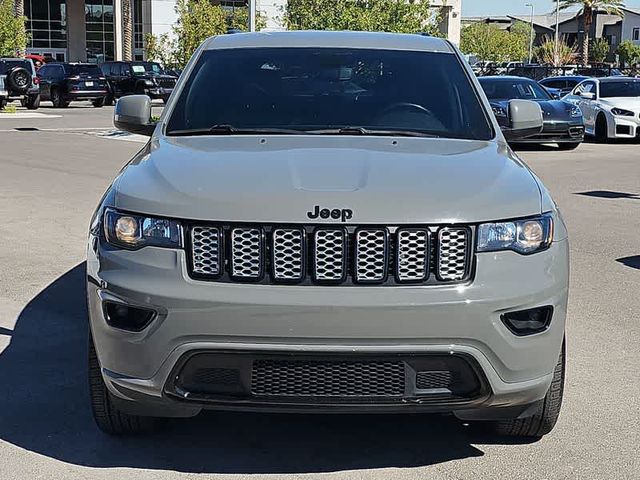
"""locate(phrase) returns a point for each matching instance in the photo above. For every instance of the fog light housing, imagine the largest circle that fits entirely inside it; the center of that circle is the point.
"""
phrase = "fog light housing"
(126, 317)
(528, 322)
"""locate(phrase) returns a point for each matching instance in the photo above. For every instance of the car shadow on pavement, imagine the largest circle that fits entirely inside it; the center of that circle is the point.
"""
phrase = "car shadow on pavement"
(44, 408)
(633, 261)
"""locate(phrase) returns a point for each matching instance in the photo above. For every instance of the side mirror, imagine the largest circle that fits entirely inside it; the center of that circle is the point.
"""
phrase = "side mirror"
(588, 95)
(525, 120)
(133, 114)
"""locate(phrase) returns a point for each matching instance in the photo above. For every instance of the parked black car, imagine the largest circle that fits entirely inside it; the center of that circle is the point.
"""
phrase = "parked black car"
(18, 81)
(63, 83)
(148, 78)
(563, 85)
(563, 121)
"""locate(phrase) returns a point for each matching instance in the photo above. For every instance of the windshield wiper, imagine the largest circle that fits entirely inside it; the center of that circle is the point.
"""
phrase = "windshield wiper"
(224, 129)
(372, 132)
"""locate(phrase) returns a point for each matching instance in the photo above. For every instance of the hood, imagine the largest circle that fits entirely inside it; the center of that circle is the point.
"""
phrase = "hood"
(628, 103)
(281, 178)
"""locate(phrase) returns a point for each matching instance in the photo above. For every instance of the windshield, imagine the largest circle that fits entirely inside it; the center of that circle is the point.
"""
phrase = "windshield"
(144, 68)
(308, 89)
(89, 70)
(514, 89)
(629, 88)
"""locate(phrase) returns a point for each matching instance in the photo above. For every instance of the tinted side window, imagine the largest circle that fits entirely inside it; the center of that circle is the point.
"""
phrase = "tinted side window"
(44, 71)
(554, 83)
(106, 68)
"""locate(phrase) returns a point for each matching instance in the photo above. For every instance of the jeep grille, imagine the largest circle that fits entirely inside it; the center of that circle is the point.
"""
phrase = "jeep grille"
(330, 255)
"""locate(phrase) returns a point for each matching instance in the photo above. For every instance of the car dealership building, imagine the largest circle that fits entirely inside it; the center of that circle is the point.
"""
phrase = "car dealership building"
(91, 30)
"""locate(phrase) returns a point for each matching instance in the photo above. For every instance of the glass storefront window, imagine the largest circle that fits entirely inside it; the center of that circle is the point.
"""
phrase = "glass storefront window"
(46, 23)
(99, 26)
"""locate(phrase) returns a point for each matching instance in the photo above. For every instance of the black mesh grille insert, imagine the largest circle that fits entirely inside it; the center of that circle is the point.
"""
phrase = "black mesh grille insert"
(328, 378)
(434, 379)
(217, 376)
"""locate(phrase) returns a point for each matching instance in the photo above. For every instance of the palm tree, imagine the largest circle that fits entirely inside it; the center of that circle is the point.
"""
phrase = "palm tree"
(19, 7)
(588, 8)
(127, 30)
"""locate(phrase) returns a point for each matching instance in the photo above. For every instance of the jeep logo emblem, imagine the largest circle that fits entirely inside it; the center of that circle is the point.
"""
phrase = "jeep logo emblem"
(343, 214)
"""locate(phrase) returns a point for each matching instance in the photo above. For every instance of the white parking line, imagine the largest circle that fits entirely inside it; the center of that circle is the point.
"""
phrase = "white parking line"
(20, 115)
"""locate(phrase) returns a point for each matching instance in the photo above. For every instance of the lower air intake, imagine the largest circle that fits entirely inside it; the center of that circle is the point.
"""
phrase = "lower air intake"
(327, 378)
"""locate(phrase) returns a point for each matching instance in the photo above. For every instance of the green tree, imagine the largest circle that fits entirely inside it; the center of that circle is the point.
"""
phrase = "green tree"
(519, 39)
(599, 50)
(588, 8)
(491, 43)
(629, 53)
(161, 48)
(197, 21)
(369, 15)
(13, 34)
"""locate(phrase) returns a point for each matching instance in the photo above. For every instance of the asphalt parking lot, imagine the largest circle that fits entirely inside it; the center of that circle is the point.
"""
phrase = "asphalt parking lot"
(53, 171)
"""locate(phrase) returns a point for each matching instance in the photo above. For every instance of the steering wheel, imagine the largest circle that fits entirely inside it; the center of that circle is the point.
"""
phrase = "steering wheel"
(405, 106)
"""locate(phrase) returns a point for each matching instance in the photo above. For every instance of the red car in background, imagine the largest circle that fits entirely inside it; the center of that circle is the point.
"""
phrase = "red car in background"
(38, 60)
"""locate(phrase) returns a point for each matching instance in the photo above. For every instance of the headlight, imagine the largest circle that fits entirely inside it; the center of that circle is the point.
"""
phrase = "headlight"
(149, 83)
(524, 236)
(499, 111)
(621, 112)
(136, 231)
(575, 112)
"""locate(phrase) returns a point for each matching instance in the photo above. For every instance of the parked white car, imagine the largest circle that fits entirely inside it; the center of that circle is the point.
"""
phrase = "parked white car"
(610, 106)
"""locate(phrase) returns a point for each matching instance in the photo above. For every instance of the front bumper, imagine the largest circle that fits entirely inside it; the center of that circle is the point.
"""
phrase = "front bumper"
(624, 127)
(461, 321)
(159, 92)
(558, 132)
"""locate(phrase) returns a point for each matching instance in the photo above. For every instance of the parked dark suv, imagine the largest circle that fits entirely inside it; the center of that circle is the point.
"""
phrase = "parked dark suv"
(146, 78)
(63, 83)
(18, 81)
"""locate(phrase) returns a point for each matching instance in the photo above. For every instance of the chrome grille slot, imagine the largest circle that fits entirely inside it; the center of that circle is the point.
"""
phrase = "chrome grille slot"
(246, 253)
(452, 253)
(205, 251)
(319, 254)
(412, 255)
(329, 255)
(371, 255)
(288, 254)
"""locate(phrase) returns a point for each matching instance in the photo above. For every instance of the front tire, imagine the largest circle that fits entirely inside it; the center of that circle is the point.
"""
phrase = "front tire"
(602, 129)
(545, 418)
(32, 102)
(568, 146)
(107, 416)
(57, 100)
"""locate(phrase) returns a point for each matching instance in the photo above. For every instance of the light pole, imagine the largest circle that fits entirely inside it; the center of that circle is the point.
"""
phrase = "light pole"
(252, 15)
(531, 35)
(556, 50)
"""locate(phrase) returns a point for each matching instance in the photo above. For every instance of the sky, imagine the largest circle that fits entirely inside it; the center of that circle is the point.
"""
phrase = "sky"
(515, 7)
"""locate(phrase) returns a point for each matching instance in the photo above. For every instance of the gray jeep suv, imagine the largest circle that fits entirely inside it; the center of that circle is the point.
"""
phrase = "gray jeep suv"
(327, 222)
(18, 81)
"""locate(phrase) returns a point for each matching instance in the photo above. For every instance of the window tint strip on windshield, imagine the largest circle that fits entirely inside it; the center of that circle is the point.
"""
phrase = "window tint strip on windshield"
(331, 88)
